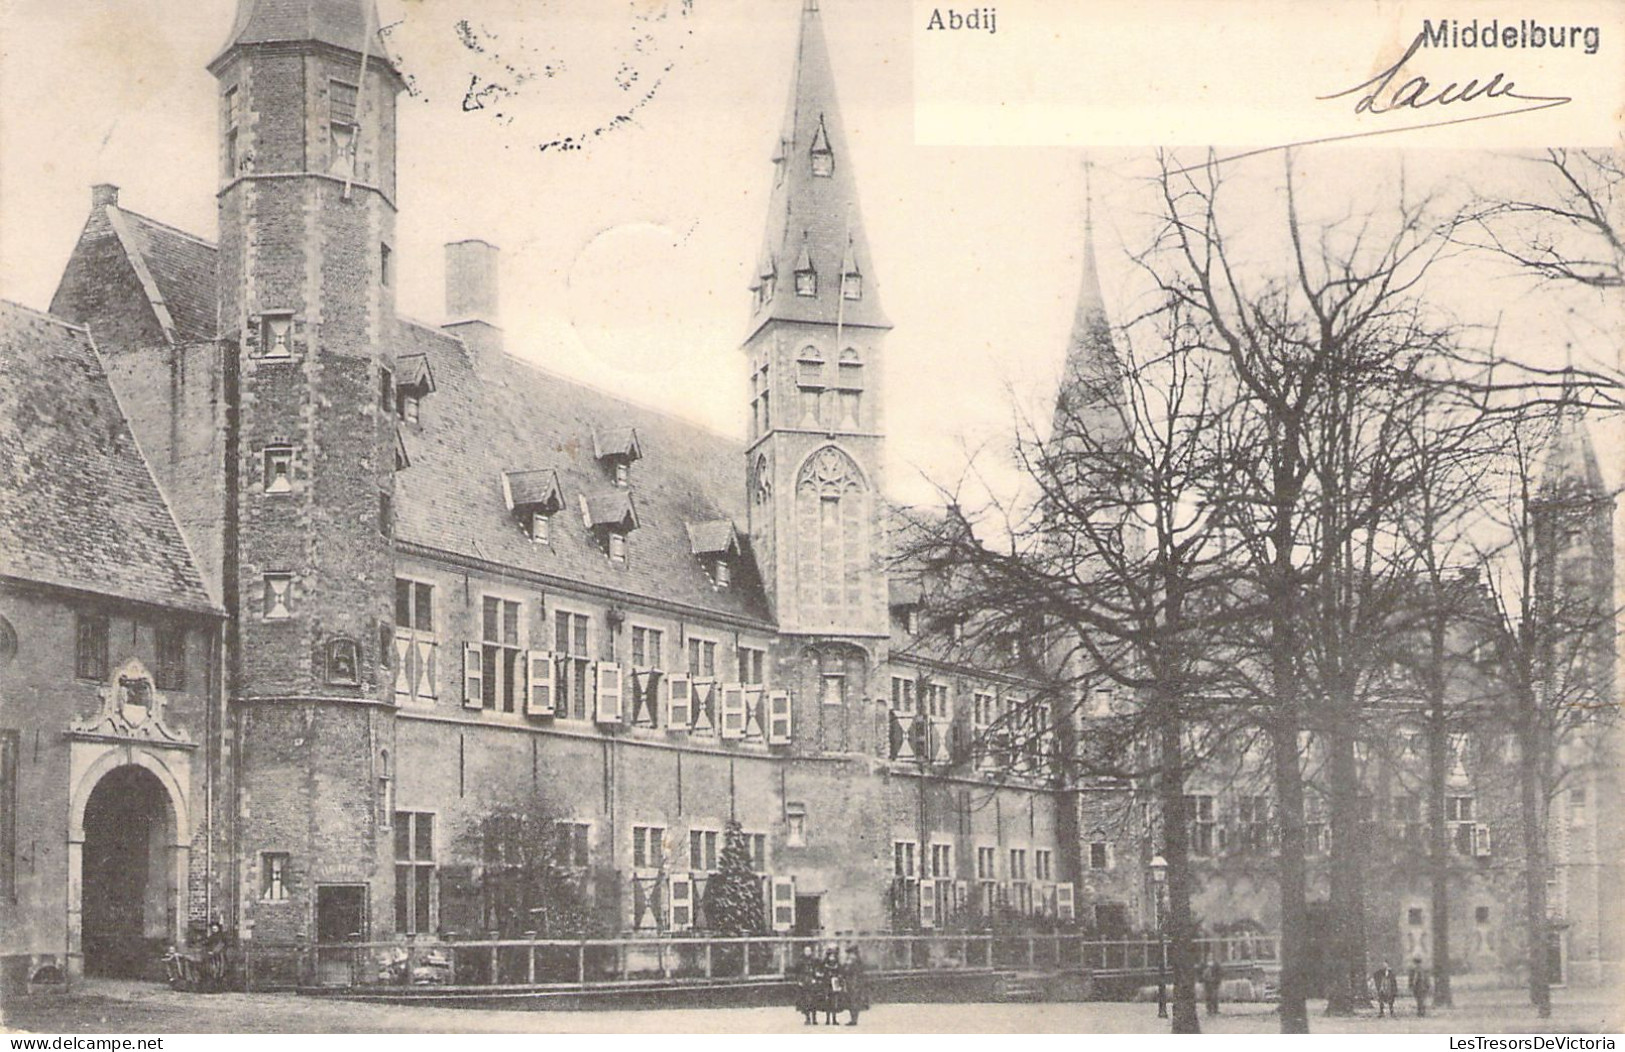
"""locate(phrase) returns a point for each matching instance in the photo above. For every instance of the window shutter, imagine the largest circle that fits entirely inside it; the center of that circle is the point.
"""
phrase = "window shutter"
(1065, 907)
(783, 903)
(941, 740)
(928, 904)
(403, 656)
(679, 702)
(425, 670)
(733, 711)
(473, 678)
(753, 713)
(778, 718)
(682, 902)
(705, 701)
(1111, 855)
(609, 692)
(1481, 840)
(539, 702)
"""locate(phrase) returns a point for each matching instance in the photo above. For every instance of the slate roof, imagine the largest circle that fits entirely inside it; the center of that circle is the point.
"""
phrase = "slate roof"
(713, 537)
(182, 268)
(349, 24)
(814, 218)
(510, 415)
(78, 504)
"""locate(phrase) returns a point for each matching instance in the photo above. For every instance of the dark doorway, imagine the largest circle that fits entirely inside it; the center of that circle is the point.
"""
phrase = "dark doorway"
(127, 891)
(1554, 957)
(341, 916)
(808, 921)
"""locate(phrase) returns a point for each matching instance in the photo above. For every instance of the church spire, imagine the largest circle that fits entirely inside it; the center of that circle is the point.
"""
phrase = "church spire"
(815, 257)
(1092, 383)
(351, 25)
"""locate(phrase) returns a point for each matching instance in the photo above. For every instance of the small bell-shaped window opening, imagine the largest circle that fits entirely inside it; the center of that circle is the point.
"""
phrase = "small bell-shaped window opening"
(806, 276)
(823, 158)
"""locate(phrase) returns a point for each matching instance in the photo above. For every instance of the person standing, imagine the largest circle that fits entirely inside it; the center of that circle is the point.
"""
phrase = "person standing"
(1421, 986)
(855, 984)
(1385, 984)
(1210, 985)
(807, 988)
(829, 983)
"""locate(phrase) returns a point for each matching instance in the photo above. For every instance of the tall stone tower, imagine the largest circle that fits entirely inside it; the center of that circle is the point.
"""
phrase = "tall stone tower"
(306, 314)
(1572, 513)
(814, 347)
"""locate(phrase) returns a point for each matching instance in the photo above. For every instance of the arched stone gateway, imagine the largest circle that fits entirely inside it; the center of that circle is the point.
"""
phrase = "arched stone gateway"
(128, 881)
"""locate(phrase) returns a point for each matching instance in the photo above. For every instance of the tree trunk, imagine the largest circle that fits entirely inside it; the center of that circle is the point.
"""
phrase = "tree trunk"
(1293, 884)
(1347, 868)
(1532, 802)
(1176, 852)
(1439, 849)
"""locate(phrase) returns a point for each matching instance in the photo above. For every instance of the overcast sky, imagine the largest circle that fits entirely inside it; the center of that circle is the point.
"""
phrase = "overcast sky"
(626, 264)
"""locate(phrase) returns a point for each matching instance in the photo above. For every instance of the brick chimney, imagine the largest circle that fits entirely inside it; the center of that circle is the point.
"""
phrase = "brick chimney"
(471, 296)
(103, 194)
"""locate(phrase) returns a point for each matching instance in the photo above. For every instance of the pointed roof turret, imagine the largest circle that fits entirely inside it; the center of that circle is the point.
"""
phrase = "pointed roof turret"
(348, 24)
(813, 216)
(1569, 470)
(1092, 383)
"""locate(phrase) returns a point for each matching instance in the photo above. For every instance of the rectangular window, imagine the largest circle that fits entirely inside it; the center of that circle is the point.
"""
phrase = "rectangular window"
(935, 696)
(617, 547)
(9, 741)
(702, 849)
(540, 527)
(942, 861)
(386, 390)
(1253, 813)
(1097, 854)
(384, 264)
(274, 876)
(572, 850)
(276, 335)
(795, 825)
(574, 663)
(1043, 865)
(278, 474)
(416, 648)
(91, 656)
(985, 708)
(1199, 820)
(987, 863)
(702, 658)
(171, 674)
(501, 657)
(342, 100)
(903, 858)
(646, 648)
(1458, 808)
(648, 847)
(1018, 863)
(751, 661)
(832, 688)
(386, 513)
(756, 846)
(414, 872)
(902, 695)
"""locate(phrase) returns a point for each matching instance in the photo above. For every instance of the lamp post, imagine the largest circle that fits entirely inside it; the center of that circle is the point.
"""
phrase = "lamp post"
(1159, 881)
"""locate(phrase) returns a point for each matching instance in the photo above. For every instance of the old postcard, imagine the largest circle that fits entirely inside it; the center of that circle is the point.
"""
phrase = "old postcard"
(698, 516)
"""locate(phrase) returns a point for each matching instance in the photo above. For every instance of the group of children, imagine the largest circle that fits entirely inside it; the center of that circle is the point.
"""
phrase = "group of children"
(830, 985)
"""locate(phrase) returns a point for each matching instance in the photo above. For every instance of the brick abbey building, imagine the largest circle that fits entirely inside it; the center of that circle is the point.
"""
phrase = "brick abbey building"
(340, 586)
(297, 594)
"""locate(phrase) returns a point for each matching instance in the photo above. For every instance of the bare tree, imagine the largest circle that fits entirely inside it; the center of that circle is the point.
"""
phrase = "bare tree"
(1568, 228)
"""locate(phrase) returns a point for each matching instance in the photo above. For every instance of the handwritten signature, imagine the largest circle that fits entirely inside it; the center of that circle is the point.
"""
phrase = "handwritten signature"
(1418, 93)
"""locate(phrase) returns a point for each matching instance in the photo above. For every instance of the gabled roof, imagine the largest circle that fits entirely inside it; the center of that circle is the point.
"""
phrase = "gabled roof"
(78, 505)
(814, 220)
(125, 261)
(714, 537)
(535, 490)
(616, 442)
(613, 510)
(508, 412)
(412, 373)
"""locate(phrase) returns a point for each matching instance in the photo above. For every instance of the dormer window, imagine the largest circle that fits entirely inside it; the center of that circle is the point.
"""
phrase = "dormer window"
(533, 497)
(716, 544)
(806, 274)
(851, 276)
(823, 158)
(412, 385)
(611, 517)
(276, 336)
(616, 448)
(617, 547)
